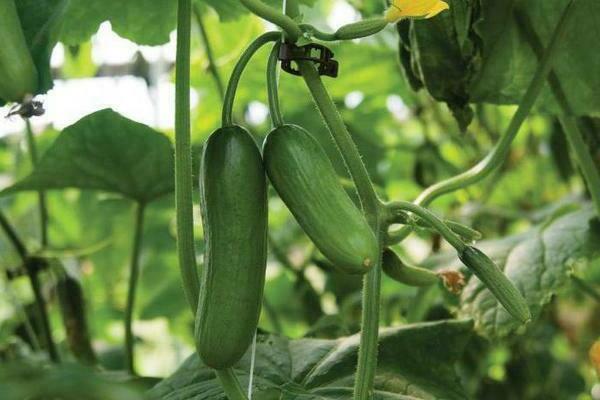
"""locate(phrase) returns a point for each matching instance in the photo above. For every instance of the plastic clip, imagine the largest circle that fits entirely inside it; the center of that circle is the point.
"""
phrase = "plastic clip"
(317, 53)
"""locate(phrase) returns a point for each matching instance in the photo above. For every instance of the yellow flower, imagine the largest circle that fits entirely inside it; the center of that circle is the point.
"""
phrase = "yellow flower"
(414, 9)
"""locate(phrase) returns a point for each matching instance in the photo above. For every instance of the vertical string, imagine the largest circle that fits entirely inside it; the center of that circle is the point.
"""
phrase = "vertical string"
(252, 358)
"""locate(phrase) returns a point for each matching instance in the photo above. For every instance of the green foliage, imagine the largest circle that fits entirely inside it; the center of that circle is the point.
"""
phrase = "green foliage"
(143, 21)
(539, 262)
(533, 211)
(476, 54)
(105, 151)
(323, 369)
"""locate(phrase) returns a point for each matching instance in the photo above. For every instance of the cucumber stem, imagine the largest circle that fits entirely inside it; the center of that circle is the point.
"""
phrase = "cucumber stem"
(212, 65)
(227, 113)
(134, 274)
(567, 120)
(289, 26)
(464, 231)
(498, 154)
(230, 384)
(586, 288)
(367, 355)
(583, 157)
(272, 90)
(431, 219)
(183, 158)
(43, 210)
(28, 264)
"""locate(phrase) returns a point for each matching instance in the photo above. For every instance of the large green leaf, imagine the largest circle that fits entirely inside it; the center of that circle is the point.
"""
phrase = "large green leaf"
(105, 151)
(148, 22)
(476, 53)
(508, 62)
(538, 262)
(415, 362)
(232, 9)
(41, 21)
(26, 380)
(443, 53)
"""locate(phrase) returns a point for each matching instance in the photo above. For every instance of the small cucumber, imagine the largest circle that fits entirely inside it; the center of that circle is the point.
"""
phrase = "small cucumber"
(306, 181)
(18, 75)
(493, 278)
(409, 275)
(233, 191)
(360, 29)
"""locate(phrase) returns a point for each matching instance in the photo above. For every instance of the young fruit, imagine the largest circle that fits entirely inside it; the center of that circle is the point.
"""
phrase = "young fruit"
(306, 181)
(409, 275)
(500, 286)
(18, 75)
(234, 215)
(360, 29)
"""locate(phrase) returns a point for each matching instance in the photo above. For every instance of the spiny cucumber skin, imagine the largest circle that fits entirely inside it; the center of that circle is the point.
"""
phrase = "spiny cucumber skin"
(233, 192)
(18, 74)
(360, 29)
(305, 179)
(495, 280)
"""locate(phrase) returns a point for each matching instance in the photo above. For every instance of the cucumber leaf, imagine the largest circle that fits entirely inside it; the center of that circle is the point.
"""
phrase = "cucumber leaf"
(105, 151)
(232, 9)
(37, 380)
(146, 22)
(508, 63)
(539, 262)
(41, 21)
(415, 362)
(476, 53)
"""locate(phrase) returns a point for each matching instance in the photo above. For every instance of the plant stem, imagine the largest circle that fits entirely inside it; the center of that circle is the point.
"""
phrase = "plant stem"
(369, 334)
(272, 91)
(431, 219)
(343, 140)
(134, 274)
(32, 272)
(29, 265)
(367, 356)
(500, 151)
(227, 113)
(14, 238)
(230, 384)
(567, 120)
(496, 157)
(291, 28)
(584, 286)
(583, 157)
(41, 195)
(183, 158)
(212, 65)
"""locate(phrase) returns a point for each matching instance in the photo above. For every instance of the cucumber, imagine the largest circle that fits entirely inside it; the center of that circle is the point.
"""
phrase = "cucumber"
(494, 279)
(233, 191)
(18, 75)
(360, 29)
(410, 275)
(306, 181)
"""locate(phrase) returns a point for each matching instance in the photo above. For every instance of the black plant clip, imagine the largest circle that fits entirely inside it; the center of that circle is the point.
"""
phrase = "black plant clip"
(317, 53)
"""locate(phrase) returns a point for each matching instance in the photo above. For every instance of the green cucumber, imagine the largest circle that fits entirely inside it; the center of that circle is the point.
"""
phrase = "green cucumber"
(18, 75)
(360, 29)
(494, 279)
(410, 275)
(306, 181)
(233, 191)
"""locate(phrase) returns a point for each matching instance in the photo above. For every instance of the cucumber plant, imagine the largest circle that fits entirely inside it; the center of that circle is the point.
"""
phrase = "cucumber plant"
(319, 186)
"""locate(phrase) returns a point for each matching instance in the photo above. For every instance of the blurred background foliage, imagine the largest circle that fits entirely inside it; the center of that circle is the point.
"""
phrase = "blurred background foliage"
(408, 141)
